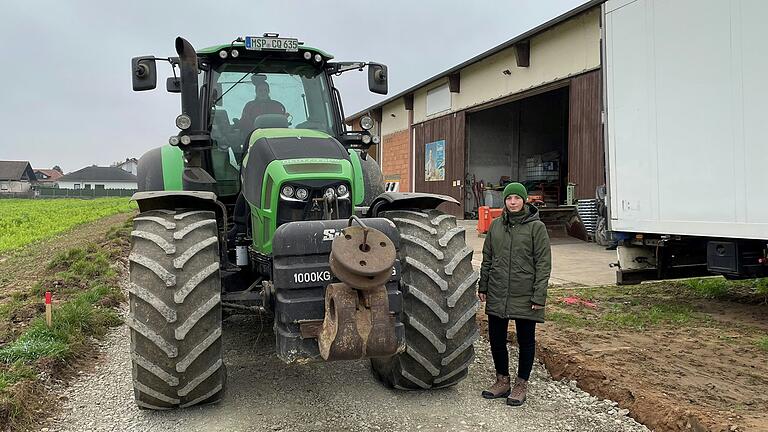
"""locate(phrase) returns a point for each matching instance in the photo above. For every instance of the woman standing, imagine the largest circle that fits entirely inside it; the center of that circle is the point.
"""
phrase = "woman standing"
(517, 262)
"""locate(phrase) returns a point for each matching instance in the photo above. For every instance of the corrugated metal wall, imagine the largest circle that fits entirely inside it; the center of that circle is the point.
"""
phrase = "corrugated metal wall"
(451, 129)
(586, 161)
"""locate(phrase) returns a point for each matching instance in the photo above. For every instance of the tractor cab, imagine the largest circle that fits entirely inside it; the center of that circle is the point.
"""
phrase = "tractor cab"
(262, 128)
(256, 82)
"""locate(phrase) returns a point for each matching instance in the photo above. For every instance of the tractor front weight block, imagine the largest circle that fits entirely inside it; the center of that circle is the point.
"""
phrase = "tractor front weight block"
(357, 324)
(315, 308)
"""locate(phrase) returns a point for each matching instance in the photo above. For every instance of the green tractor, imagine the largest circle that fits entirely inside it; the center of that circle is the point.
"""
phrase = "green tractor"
(264, 201)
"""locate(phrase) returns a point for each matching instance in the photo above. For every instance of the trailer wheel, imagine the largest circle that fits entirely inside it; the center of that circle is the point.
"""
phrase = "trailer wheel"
(175, 309)
(439, 303)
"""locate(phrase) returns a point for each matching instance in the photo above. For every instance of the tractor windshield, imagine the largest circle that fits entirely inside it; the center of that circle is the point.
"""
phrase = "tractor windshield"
(259, 95)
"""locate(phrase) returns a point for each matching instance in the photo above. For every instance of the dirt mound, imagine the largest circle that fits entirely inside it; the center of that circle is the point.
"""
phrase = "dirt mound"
(676, 363)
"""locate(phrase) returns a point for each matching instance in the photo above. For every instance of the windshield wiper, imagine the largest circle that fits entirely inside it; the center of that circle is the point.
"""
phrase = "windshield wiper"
(240, 80)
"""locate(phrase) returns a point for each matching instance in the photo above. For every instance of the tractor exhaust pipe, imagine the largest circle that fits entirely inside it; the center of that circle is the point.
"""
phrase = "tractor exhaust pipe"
(198, 166)
(190, 104)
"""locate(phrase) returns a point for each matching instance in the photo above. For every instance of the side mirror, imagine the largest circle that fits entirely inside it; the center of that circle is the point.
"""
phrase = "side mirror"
(144, 72)
(173, 85)
(377, 78)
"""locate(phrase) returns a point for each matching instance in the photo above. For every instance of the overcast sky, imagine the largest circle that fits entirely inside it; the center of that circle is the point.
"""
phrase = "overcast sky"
(66, 77)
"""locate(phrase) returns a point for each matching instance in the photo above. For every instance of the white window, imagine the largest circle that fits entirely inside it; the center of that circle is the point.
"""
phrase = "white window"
(438, 100)
(3, 186)
(77, 185)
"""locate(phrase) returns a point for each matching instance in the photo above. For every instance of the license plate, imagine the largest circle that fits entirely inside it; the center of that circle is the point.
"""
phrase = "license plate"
(271, 44)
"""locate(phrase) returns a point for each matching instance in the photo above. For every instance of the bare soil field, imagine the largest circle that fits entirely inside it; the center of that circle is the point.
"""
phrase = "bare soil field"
(690, 355)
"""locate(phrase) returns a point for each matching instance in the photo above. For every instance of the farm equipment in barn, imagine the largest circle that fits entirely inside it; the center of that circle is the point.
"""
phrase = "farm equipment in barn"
(264, 201)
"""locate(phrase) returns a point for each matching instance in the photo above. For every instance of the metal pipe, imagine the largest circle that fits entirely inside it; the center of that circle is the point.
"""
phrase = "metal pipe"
(190, 103)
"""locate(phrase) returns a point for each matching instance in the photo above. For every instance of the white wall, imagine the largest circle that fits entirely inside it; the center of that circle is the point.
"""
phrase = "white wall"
(130, 167)
(686, 117)
(107, 185)
(567, 49)
(394, 117)
(12, 186)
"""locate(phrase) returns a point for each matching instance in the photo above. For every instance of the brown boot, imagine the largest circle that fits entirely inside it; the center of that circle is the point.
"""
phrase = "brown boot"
(519, 391)
(499, 389)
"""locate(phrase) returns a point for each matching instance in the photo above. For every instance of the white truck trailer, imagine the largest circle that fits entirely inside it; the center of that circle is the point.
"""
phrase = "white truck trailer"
(686, 127)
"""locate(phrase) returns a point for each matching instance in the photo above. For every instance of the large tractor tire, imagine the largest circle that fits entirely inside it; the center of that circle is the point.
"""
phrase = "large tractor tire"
(175, 309)
(439, 303)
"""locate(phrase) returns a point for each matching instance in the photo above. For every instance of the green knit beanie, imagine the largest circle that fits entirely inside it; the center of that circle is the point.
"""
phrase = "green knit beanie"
(517, 189)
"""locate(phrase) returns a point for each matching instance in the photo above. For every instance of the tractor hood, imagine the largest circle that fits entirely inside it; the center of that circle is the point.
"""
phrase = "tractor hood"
(277, 144)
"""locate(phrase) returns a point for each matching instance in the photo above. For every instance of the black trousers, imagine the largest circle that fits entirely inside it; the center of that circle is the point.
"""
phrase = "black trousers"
(526, 340)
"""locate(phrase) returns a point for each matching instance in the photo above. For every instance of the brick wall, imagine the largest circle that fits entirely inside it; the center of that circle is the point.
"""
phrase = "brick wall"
(397, 158)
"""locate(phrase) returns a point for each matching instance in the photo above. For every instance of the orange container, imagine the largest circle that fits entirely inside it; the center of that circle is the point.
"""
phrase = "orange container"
(486, 215)
(483, 219)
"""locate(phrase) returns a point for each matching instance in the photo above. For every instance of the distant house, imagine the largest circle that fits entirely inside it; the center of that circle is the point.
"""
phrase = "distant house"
(48, 177)
(16, 177)
(96, 177)
(130, 165)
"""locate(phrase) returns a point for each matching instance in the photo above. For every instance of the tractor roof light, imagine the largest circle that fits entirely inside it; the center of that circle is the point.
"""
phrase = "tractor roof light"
(318, 58)
(375, 140)
(174, 140)
(302, 193)
(223, 54)
(307, 55)
(183, 122)
(366, 139)
(185, 139)
(366, 123)
(235, 53)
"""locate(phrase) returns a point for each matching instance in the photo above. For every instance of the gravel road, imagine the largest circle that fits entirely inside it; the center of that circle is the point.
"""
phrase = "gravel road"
(266, 395)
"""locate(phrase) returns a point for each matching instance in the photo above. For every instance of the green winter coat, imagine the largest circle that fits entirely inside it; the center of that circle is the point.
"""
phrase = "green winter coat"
(517, 262)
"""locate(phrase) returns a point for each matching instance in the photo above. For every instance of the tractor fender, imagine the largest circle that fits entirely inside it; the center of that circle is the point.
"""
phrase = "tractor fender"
(170, 200)
(150, 171)
(407, 201)
(373, 180)
(161, 169)
(195, 200)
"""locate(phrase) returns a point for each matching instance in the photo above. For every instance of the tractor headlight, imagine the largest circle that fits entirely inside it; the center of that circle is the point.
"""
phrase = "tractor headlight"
(330, 194)
(185, 139)
(342, 190)
(302, 193)
(183, 122)
(287, 191)
(366, 139)
(366, 123)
